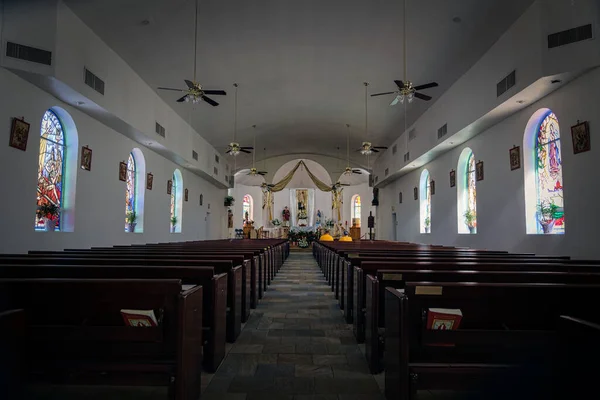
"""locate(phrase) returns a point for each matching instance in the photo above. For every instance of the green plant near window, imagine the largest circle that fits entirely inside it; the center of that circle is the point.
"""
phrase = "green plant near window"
(470, 218)
(131, 217)
(229, 200)
(49, 211)
(546, 212)
(427, 222)
(173, 222)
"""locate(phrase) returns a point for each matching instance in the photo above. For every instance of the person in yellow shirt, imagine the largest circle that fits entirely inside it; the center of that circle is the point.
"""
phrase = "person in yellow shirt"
(326, 237)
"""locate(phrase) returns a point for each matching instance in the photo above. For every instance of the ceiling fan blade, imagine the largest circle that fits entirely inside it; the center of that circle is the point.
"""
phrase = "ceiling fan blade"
(356, 171)
(374, 150)
(262, 172)
(181, 100)
(228, 151)
(382, 94)
(426, 86)
(173, 89)
(245, 151)
(400, 84)
(210, 101)
(215, 92)
(422, 96)
(395, 101)
(189, 83)
(379, 147)
(247, 148)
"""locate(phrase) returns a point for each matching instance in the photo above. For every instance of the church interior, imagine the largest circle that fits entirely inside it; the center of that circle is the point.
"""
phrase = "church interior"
(305, 200)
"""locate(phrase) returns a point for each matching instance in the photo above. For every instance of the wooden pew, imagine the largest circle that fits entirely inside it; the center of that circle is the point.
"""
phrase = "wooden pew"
(214, 292)
(506, 339)
(77, 335)
(13, 353)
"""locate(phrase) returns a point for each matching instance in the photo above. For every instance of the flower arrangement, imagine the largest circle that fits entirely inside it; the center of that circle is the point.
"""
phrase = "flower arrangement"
(329, 223)
(302, 214)
(173, 223)
(131, 218)
(276, 222)
(471, 219)
(49, 211)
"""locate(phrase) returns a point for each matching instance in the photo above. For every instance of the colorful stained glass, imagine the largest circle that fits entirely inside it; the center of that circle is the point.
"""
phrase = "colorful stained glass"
(425, 202)
(356, 210)
(549, 182)
(130, 194)
(471, 190)
(174, 199)
(50, 166)
(427, 221)
(246, 208)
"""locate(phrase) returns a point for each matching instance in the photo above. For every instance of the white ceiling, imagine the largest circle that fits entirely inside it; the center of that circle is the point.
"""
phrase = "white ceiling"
(300, 65)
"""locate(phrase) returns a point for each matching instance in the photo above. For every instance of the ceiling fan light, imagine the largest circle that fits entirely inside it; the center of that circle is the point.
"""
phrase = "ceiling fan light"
(401, 97)
(411, 97)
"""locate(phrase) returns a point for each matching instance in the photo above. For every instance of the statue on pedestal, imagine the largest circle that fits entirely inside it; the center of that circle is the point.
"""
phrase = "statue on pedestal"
(319, 216)
(229, 219)
(286, 216)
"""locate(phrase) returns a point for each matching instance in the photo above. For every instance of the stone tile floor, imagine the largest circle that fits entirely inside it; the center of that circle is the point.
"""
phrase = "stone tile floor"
(295, 346)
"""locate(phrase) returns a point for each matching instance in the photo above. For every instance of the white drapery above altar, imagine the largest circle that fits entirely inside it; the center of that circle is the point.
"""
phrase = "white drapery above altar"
(310, 209)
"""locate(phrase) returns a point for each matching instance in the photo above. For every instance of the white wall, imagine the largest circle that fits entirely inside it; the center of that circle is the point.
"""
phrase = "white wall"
(99, 205)
(500, 196)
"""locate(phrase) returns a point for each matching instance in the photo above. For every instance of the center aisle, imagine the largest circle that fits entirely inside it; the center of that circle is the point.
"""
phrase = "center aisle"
(295, 345)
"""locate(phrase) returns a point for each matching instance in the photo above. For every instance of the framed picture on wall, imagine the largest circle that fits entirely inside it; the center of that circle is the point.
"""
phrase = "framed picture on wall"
(515, 158)
(122, 171)
(452, 178)
(185, 194)
(19, 134)
(479, 171)
(86, 158)
(400, 198)
(169, 186)
(432, 186)
(580, 134)
(416, 193)
(149, 181)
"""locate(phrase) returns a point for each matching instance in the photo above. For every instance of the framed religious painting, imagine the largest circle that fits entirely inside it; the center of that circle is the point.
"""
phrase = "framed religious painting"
(149, 181)
(580, 134)
(515, 158)
(452, 178)
(19, 134)
(169, 186)
(416, 193)
(86, 158)
(185, 194)
(479, 171)
(122, 171)
(432, 187)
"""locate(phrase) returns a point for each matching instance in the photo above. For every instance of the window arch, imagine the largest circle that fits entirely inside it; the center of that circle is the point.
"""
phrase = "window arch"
(466, 193)
(544, 204)
(135, 190)
(356, 210)
(176, 202)
(425, 202)
(247, 207)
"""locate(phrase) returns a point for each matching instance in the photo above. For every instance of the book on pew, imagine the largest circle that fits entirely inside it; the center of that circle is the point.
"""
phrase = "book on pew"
(139, 318)
(443, 318)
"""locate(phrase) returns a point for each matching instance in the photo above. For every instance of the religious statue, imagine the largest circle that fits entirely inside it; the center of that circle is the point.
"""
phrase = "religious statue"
(229, 219)
(286, 216)
(319, 216)
(246, 217)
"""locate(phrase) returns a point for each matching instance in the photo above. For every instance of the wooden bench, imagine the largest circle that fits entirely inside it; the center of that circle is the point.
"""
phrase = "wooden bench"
(13, 353)
(76, 335)
(507, 338)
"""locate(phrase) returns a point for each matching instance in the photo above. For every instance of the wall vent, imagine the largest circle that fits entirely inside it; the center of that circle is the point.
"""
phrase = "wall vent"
(387, 171)
(394, 149)
(216, 158)
(569, 36)
(406, 156)
(160, 130)
(506, 83)
(216, 170)
(412, 134)
(194, 155)
(442, 131)
(28, 53)
(94, 82)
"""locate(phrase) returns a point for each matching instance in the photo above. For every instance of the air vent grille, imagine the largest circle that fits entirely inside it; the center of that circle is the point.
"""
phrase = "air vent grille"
(94, 82)
(506, 83)
(216, 158)
(569, 36)
(407, 156)
(28, 53)
(412, 134)
(160, 130)
(216, 170)
(394, 149)
(442, 131)
(194, 155)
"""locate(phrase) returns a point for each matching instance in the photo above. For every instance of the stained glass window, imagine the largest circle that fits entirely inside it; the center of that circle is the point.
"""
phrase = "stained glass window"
(471, 217)
(356, 209)
(130, 193)
(50, 166)
(247, 207)
(174, 199)
(425, 201)
(548, 177)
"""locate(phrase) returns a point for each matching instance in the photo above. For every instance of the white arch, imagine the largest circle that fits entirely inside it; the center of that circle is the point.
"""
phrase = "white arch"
(353, 215)
(424, 202)
(462, 189)
(178, 193)
(251, 208)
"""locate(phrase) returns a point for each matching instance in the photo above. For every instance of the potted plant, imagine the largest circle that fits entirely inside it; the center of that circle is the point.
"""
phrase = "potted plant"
(276, 222)
(546, 215)
(471, 220)
(131, 218)
(229, 200)
(173, 223)
(427, 223)
(48, 212)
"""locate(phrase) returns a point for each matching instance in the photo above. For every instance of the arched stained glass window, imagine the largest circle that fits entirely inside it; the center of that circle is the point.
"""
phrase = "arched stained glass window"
(130, 193)
(466, 204)
(50, 170)
(356, 210)
(247, 208)
(176, 202)
(543, 175)
(425, 202)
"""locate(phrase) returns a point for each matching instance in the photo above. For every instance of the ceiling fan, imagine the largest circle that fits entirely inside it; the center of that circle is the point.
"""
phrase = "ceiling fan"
(253, 170)
(234, 147)
(367, 147)
(348, 170)
(406, 90)
(194, 91)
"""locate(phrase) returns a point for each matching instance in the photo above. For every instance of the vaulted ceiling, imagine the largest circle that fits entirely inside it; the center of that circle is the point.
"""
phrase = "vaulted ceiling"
(300, 65)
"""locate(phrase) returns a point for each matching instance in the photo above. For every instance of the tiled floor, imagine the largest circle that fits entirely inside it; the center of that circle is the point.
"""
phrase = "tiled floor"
(295, 346)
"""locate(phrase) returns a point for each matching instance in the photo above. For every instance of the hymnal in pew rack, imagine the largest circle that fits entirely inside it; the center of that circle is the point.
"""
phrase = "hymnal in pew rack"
(443, 318)
(139, 318)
